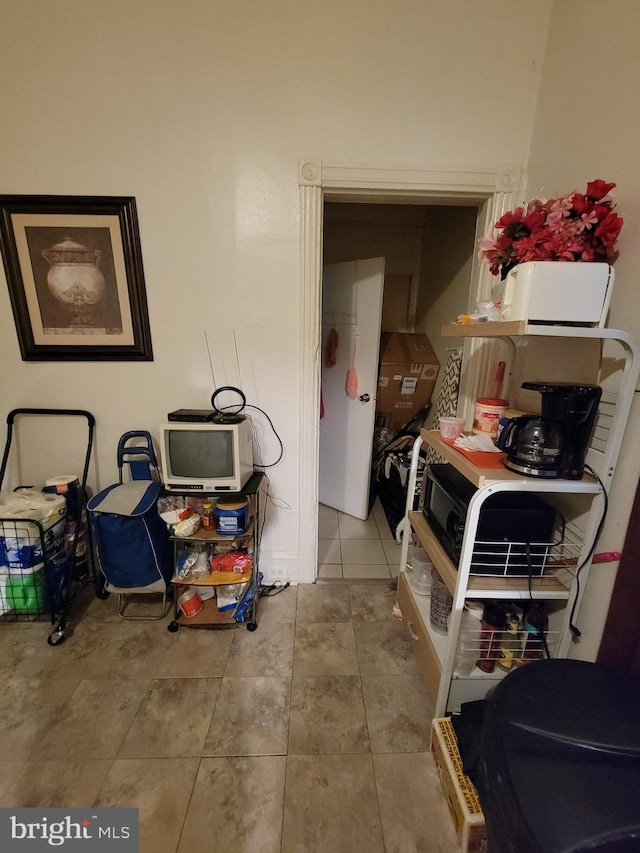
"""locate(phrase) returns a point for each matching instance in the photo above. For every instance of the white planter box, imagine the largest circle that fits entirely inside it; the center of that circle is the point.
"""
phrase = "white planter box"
(556, 292)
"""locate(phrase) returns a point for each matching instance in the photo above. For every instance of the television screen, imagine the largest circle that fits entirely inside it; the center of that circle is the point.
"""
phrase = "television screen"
(201, 454)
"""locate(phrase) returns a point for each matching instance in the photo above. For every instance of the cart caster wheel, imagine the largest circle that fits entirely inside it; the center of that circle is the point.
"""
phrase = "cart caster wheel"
(99, 588)
(173, 627)
(56, 638)
(251, 626)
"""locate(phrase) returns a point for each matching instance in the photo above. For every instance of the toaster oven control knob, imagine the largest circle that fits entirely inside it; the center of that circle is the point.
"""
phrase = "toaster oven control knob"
(364, 398)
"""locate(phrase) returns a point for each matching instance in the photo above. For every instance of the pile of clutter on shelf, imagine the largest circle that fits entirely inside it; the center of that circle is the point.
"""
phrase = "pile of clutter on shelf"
(224, 549)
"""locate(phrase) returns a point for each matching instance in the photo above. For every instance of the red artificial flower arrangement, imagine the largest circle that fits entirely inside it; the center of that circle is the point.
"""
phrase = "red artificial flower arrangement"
(575, 227)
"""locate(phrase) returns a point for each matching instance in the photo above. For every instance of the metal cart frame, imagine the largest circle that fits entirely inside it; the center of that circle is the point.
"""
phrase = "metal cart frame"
(57, 636)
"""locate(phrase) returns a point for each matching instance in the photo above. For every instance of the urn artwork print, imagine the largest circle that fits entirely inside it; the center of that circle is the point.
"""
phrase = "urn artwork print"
(75, 277)
(76, 282)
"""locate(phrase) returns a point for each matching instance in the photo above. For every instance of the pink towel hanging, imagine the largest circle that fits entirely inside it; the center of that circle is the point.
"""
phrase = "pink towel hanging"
(351, 384)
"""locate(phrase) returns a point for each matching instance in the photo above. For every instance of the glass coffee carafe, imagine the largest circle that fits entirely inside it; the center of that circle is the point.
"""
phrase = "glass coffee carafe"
(533, 446)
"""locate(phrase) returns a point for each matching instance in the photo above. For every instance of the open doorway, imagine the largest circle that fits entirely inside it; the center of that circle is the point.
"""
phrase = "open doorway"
(492, 191)
(428, 252)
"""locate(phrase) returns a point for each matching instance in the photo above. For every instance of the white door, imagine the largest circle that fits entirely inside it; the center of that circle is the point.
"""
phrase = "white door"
(352, 306)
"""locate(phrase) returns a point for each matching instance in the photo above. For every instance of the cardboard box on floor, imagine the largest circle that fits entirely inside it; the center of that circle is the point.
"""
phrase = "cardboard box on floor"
(458, 789)
(408, 372)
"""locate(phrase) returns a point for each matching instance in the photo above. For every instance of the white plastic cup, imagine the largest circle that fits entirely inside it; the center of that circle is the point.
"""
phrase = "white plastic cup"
(451, 428)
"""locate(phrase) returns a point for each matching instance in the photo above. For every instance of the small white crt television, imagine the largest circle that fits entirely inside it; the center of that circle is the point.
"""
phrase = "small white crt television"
(206, 457)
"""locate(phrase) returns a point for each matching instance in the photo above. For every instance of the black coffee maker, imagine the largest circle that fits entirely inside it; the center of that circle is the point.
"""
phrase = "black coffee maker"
(554, 444)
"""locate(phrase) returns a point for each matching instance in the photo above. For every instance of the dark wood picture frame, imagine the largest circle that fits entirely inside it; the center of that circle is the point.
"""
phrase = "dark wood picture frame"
(74, 271)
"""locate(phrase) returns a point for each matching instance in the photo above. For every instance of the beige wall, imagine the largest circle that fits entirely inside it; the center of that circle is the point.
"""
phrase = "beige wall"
(587, 127)
(392, 232)
(201, 109)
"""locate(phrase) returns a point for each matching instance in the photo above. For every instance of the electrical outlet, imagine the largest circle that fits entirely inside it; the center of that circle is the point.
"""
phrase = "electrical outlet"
(278, 573)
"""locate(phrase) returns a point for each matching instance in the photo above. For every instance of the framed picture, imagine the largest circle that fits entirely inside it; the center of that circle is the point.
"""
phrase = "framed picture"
(74, 270)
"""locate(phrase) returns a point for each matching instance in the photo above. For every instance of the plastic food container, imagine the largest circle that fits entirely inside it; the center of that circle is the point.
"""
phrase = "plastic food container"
(231, 516)
(441, 604)
(420, 568)
(489, 309)
(450, 428)
(229, 595)
(489, 410)
(468, 644)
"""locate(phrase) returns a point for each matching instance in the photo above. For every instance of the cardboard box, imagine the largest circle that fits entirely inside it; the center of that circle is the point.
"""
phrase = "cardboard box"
(408, 372)
(459, 790)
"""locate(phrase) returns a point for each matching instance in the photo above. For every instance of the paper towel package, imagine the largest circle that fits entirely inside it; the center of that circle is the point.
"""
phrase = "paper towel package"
(20, 541)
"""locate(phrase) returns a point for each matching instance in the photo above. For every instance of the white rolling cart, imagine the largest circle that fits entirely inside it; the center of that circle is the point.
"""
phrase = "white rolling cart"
(580, 502)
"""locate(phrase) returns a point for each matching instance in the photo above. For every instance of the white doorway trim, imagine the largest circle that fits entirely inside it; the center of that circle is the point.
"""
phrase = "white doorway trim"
(493, 191)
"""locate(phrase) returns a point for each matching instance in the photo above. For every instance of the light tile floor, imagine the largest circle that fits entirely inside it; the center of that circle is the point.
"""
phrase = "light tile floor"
(352, 549)
(309, 734)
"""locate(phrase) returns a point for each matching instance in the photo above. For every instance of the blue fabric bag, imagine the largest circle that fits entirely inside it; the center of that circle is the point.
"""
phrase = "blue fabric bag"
(132, 541)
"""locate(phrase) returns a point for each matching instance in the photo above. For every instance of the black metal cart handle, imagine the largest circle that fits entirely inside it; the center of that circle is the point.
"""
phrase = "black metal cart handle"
(73, 412)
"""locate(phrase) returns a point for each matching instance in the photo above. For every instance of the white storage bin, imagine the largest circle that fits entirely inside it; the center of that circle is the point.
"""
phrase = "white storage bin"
(557, 292)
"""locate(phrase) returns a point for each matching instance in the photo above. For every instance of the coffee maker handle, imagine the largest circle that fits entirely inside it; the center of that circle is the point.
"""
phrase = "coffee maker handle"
(509, 435)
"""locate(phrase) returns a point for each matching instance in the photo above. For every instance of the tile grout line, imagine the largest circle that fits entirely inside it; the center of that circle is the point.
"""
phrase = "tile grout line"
(378, 539)
(286, 758)
(366, 717)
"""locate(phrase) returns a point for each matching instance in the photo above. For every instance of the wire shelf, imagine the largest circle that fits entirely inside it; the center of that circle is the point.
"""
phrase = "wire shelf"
(524, 559)
(500, 651)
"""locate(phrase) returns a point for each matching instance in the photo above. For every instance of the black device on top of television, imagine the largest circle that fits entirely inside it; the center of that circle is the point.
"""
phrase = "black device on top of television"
(191, 415)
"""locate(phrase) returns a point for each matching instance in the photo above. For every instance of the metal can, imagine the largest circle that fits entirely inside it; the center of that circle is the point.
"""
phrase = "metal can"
(231, 516)
(190, 602)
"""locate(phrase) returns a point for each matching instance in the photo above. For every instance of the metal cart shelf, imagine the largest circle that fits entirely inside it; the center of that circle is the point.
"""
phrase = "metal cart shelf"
(246, 610)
